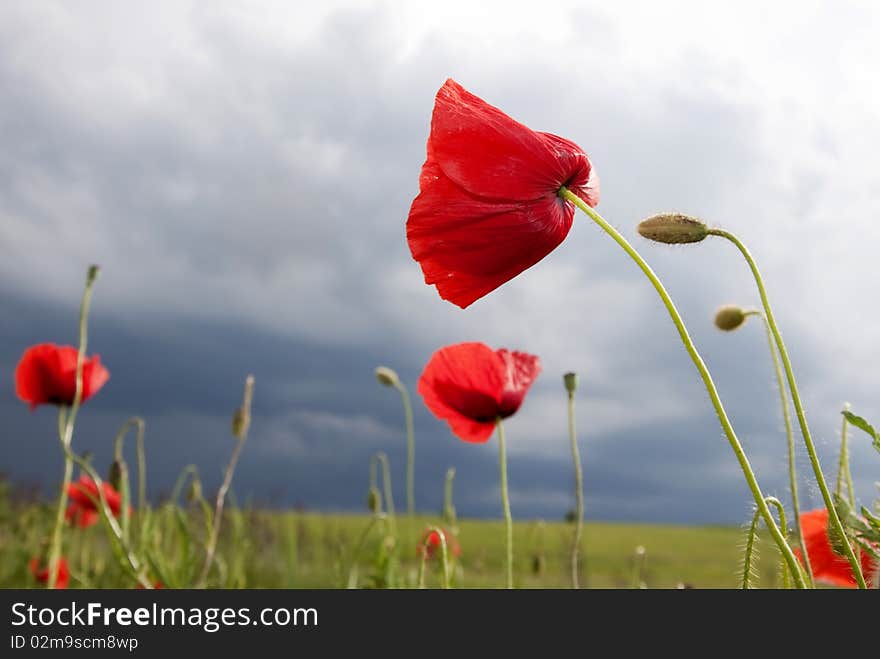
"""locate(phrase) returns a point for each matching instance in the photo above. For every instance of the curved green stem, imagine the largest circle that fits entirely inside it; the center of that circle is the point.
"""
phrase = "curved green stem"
(410, 450)
(789, 435)
(189, 470)
(579, 492)
(444, 555)
(66, 419)
(843, 471)
(748, 557)
(833, 518)
(780, 509)
(704, 375)
(382, 459)
(505, 501)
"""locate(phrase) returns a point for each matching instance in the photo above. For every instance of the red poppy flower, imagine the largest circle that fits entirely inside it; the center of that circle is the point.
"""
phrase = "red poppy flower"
(827, 566)
(157, 585)
(41, 574)
(488, 204)
(46, 373)
(470, 385)
(84, 501)
(430, 544)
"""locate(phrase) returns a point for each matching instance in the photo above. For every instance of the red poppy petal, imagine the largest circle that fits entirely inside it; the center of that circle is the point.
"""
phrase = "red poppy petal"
(522, 369)
(827, 566)
(463, 385)
(94, 377)
(488, 153)
(584, 181)
(468, 247)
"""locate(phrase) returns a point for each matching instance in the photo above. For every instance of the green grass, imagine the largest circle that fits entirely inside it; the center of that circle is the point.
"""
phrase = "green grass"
(263, 549)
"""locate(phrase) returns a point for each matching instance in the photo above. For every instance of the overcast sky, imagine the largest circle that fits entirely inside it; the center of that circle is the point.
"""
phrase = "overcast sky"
(243, 171)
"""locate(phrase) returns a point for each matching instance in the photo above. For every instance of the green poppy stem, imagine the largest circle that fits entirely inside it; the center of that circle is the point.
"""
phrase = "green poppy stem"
(843, 472)
(505, 501)
(66, 419)
(746, 467)
(789, 435)
(410, 450)
(579, 492)
(833, 518)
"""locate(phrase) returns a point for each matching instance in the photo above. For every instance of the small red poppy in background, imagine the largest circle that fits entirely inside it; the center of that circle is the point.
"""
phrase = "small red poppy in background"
(827, 566)
(83, 510)
(46, 373)
(41, 573)
(157, 585)
(488, 204)
(470, 386)
(430, 544)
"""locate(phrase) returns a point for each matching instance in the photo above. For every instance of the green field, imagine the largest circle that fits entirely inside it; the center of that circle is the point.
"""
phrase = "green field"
(261, 549)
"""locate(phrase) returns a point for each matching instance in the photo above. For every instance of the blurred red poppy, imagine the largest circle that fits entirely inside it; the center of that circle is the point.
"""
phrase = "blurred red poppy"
(827, 566)
(488, 204)
(83, 510)
(41, 573)
(46, 373)
(470, 386)
(430, 545)
(157, 585)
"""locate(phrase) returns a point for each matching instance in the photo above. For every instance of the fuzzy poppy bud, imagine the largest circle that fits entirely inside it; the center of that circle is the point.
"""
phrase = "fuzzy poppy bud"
(729, 318)
(387, 377)
(194, 492)
(117, 469)
(673, 229)
(374, 500)
(571, 382)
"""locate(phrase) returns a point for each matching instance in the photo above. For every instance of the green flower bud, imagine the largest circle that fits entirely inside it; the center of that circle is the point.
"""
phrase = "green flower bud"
(374, 500)
(114, 477)
(194, 492)
(387, 377)
(729, 318)
(571, 382)
(673, 229)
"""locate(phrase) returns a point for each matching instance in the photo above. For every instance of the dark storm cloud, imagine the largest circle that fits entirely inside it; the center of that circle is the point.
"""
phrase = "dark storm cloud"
(246, 197)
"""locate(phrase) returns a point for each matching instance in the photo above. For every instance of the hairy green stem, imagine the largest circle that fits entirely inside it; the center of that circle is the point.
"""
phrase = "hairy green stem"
(410, 450)
(833, 517)
(579, 492)
(240, 426)
(505, 502)
(843, 471)
(66, 419)
(746, 467)
(789, 435)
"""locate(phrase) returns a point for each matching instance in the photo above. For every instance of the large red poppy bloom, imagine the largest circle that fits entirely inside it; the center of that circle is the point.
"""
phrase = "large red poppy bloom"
(46, 373)
(430, 544)
(827, 566)
(469, 385)
(488, 204)
(41, 573)
(83, 510)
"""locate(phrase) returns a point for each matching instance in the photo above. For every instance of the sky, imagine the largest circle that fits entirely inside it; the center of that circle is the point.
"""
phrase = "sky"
(242, 173)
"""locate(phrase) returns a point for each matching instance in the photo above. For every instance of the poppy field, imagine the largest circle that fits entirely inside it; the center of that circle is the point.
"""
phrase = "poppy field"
(495, 198)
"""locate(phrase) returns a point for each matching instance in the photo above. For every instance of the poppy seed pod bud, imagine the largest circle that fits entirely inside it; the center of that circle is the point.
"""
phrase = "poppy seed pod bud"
(673, 229)
(387, 377)
(374, 500)
(114, 477)
(241, 421)
(194, 492)
(571, 382)
(729, 318)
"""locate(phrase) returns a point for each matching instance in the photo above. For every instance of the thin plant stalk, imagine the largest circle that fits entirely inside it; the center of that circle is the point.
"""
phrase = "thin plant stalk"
(449, 514)
(410, 450)
(382, 460)
(833, 517)
(444, 555)
(709, 384)
(352, 568)
(579, 492)
(66, 419)
(789, 435)
(505, 502)
(119, 461)
(240, 427)
(843, 471)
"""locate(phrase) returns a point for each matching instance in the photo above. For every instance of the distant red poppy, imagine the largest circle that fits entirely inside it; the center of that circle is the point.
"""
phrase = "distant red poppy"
(827, 566)
(430, 544)
(469, 385)
(46, 373)
(41, 573)
(157, 585)
(488, 204)
(84, 500)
